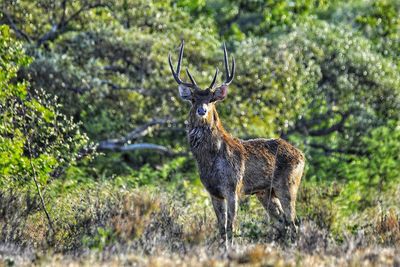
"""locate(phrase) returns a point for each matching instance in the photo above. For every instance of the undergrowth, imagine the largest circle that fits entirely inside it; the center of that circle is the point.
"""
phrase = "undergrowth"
(107, 218)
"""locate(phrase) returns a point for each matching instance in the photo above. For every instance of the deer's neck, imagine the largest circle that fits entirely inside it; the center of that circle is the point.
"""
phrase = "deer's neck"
(207, 137)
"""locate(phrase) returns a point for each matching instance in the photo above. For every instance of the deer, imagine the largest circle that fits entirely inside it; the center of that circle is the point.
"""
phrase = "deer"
(270, 169)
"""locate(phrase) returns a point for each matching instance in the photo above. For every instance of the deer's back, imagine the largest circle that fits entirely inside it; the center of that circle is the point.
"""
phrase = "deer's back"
(269, 159)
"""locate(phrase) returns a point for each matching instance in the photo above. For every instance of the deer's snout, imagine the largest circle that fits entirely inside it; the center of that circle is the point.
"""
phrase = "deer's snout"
(202, 110)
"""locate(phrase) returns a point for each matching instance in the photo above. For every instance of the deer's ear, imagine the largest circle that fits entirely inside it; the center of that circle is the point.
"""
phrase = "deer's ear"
(185, 93)
(220, 93)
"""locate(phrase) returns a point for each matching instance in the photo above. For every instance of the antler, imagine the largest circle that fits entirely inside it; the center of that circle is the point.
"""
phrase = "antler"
(228, 73)
(229, 77)
(214, 79)
(178, 69)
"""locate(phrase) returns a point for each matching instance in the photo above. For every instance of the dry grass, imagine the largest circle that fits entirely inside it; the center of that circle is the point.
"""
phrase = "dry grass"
(240, 255)
(155, 229)
(387, 228)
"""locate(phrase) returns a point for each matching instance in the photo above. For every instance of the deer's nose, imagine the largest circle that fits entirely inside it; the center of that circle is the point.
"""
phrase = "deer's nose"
(202, 110)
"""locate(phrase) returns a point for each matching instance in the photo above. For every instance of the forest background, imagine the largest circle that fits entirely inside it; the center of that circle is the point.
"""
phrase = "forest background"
(94, 158)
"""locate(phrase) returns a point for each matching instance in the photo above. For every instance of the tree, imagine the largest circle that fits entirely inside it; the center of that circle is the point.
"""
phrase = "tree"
(309, 71)
(37, 142)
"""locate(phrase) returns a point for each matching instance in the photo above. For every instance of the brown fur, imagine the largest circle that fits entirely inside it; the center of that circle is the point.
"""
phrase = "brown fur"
(269, 168)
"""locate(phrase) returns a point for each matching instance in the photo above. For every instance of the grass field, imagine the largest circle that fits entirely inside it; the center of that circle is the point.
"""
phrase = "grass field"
(101, 226)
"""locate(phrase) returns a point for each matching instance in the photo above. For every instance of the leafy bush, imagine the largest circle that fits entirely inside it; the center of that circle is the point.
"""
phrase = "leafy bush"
(371, 177)
(35, 138)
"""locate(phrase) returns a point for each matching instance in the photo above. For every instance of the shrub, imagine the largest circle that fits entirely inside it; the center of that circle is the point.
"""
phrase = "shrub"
(35, 138)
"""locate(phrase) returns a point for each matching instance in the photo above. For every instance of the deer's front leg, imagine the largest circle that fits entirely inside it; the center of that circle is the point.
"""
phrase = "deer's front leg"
(220, 210)
(232, 210)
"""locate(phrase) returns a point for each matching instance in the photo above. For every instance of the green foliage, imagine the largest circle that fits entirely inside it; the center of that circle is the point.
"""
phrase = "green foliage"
(11, 59)
(35, 139)
(320, 66)
(315, 203)
(374, 174)
(377, 20)
(259, 17)
(369, 183)
(103, 238)
(323, 74)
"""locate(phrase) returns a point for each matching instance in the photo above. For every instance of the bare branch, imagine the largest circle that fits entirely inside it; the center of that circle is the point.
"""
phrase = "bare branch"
(143, 130)
(114, 68)
(50, 35)
(140, 131)
(61, 27)
(20, 33)
(64, 8)
(329, 150)
(304, 126)
(334, 128)
(140, 146)
(114, 86)
(34, 176)
(122, 144)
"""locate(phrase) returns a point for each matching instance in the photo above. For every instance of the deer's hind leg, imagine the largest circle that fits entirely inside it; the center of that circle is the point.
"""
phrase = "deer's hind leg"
(288, 206)
(287, 192)
(271, 204)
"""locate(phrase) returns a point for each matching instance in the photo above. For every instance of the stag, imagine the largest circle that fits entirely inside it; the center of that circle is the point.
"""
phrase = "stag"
(271, 169)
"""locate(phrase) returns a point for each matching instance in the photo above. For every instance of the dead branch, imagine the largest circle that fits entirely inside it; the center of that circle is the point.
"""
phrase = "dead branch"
(140, 131)
(114, 86)
(104, 145)
(143, 130)
(123, 144)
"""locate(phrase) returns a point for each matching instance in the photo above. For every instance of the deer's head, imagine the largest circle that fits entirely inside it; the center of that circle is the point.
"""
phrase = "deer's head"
(202, 100)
